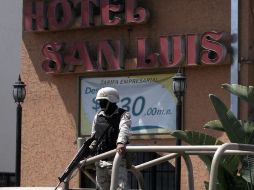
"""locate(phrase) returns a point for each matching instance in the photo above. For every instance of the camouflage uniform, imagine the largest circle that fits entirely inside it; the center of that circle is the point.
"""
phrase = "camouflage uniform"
(104, 167)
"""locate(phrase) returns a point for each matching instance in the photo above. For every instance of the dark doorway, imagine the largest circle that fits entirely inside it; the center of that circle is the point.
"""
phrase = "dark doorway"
(160, 177)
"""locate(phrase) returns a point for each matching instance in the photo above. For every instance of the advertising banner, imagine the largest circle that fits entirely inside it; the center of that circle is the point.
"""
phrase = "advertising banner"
(149, 99)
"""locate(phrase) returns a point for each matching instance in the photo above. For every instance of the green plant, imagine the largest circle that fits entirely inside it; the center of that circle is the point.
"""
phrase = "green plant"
(237, 131)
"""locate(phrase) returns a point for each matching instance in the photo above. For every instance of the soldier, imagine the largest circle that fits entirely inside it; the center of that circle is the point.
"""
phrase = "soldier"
(111, 127)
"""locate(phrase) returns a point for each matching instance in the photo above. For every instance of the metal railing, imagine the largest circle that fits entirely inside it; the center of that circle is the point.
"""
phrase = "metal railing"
(174, 151)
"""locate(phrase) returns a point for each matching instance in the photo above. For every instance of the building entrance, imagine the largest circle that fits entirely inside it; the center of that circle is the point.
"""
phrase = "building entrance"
(159, 177)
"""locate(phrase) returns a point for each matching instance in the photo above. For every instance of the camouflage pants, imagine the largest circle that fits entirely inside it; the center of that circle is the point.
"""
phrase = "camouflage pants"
(103, 175)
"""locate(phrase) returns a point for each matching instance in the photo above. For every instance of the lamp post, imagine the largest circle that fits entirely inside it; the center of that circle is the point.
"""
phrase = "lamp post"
(19, 93)
(178, 88)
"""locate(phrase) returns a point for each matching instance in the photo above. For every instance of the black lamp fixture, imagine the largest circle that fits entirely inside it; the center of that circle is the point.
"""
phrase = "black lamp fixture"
(19, 94)
(19, 91)
(179, 85)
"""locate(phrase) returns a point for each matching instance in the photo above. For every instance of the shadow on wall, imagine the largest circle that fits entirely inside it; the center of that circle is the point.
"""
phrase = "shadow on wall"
(44, 86)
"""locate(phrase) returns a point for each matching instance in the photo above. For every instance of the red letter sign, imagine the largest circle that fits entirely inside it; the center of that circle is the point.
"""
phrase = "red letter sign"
(59, 14)
(79, 56)
(214, 52)
(54, 59)
(192, 49)
(109, 58)
(146, 59)
(135, 14)
(172, 50)
(108, 9)
(87, 15)
(33, 16)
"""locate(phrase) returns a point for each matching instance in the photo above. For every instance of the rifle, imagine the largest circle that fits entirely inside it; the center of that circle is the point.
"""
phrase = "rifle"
(83, 152)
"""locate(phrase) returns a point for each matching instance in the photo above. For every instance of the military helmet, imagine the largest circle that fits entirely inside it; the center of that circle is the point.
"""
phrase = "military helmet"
(108, 93)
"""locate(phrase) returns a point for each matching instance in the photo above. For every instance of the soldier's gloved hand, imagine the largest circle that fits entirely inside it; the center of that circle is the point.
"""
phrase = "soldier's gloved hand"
(120, 148)
(92, 147)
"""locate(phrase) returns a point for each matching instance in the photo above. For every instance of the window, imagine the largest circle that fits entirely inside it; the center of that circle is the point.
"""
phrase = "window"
(7, 179)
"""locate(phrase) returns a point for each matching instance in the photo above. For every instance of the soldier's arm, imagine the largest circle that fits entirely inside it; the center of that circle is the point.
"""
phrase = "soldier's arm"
(124, 128)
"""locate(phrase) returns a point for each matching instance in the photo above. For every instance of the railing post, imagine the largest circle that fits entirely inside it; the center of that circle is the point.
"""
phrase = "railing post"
(216, 160)
(115, 169)
(139, 177)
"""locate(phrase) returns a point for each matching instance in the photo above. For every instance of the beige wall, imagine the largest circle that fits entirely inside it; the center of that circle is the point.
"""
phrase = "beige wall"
(50, 115)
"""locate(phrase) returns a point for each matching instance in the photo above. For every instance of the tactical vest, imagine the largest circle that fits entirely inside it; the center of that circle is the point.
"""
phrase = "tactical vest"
(107, 130)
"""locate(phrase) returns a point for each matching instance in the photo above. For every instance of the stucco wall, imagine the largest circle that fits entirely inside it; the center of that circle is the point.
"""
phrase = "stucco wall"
(50, 115)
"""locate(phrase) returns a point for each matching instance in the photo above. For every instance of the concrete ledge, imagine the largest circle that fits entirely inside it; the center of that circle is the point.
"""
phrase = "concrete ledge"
(29, 188)
(40, 188)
